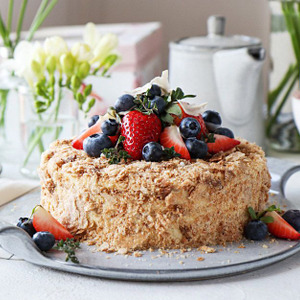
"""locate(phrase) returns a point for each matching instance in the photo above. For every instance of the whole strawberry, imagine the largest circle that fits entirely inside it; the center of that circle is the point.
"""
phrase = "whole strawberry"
(138, 130)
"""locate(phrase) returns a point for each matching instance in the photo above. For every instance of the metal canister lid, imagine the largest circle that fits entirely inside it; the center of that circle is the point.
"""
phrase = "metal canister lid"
(215, 38)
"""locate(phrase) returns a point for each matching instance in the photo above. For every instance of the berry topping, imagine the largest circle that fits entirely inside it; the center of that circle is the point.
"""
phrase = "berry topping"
(196, 148)
(158, 104)
(26, 224)
(124, 103)
(221, 143)
(43, 221)
(292, 216)
(225, 131)
(212, 119)
(94, 144)
(256, 230)
(93, 120)
(189, 127)
(110, 127)
(44, 240)
(154, 91)
(177, 121)
(171, 137)
(138, 130)
(152, 152)
(281, 228)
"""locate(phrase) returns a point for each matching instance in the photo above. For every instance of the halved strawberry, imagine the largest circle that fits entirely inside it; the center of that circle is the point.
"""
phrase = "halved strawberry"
(177, 121)
(222, 143)
(96, 128)
(114, 139)
(281, 228)
(43, 221)
(171, 137)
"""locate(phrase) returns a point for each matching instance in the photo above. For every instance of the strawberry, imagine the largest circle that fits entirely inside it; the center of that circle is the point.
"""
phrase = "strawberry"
(43, 221)
(96, 128)
(199, 118)
(281, 228)
(171, 137)
(222, 143)
(138, 130)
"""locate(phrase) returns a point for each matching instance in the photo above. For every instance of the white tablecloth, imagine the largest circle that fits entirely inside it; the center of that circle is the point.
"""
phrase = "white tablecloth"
(21, 280)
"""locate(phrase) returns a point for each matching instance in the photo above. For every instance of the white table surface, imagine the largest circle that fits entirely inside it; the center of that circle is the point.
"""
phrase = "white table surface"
(21, 280)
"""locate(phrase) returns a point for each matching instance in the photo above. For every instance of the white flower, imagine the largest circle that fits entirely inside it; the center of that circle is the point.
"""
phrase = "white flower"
(162, 82)
(104, 47)
(55, 46)
(91, 36)
(82, 52)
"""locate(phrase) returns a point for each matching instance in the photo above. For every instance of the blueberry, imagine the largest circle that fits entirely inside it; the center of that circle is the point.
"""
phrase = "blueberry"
(110, 127)
(160, 104)
(93, 120)
(224, 131)
(197, 149)
(94, 144)
(189, 127)
(292, 216)
(124, 103)
(212, 120)
(256, 230)
(44, 240)
(26, 224)
(154, 91)
(152, 152)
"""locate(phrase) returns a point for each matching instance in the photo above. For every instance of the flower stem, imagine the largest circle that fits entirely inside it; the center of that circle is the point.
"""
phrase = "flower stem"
(40, 18)
(3, 103)
(10, 14)
(20, 21)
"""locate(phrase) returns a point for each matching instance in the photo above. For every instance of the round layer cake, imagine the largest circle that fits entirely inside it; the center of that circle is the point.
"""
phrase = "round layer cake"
(141, 205)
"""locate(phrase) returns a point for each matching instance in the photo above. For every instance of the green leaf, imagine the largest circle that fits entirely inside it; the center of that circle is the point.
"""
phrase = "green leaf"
(273, 208)
(174, 109)
(68, 246)
(267, 219)
(167, 118)
(170, 153)
(252, 213)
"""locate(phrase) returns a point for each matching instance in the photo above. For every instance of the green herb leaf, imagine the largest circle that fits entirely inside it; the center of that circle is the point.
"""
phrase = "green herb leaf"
(267, 219)
(252, 213)
(174, 109)
(170, 153)
(167, 118)
(68, 246)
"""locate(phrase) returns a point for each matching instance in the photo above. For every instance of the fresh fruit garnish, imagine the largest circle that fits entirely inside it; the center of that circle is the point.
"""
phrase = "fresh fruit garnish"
(221, 143)
(138, 130)
(224, 131)
(152, 151)
(44, 240)
(94, 144)
(158, 104)
(196, 148)
(189, 127)
(110, 127)
(292, 216)
(155, 90)
(256, 230)
(26, 224)
(281, 228)
(93, 120)
(212, 120)
(124, 103)
(43, 221)
(171, 137)
(177, 121)
(114, 139)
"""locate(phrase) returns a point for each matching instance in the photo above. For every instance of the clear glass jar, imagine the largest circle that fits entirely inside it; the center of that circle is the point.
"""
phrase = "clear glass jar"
(284, 76)
(38, 131)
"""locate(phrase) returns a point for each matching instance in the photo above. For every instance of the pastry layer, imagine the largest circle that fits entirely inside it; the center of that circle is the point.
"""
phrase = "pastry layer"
(142, 205)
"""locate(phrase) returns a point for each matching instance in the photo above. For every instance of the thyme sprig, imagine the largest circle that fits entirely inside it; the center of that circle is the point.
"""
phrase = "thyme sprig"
(261, 215)
(68, 246)
(116, 154)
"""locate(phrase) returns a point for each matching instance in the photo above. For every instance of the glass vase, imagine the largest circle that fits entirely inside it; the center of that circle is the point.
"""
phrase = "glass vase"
(284, 77)
(38, 131)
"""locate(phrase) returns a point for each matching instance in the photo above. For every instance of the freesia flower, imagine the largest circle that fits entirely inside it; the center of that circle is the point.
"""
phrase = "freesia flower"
(55, 46)
(82, 52)
(91, 36)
